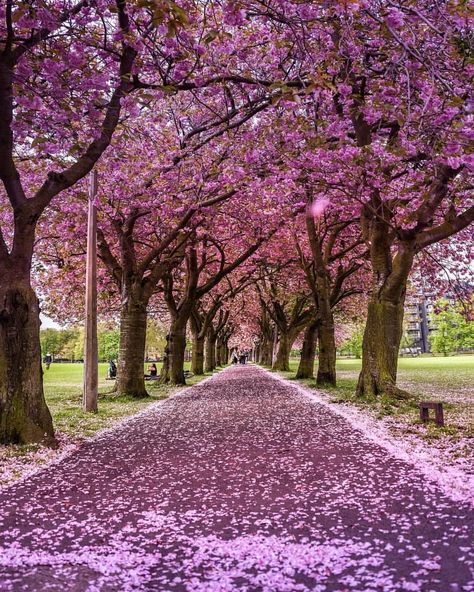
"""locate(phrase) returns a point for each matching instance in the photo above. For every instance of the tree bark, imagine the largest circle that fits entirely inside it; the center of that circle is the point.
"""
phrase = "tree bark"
(308, 352)
(24, 415)
(210, 364)
(384, 327)
(165, 368)
(258, 353)
(380, 346)
(282, 360)
(130, 372)
(326, 375)
(197, 362)
(226, 353)
(173, 367)
(266, 353)
(219, 353)
(178, 349)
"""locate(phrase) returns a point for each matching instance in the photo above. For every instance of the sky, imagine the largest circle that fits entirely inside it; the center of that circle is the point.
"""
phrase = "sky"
(47, 323)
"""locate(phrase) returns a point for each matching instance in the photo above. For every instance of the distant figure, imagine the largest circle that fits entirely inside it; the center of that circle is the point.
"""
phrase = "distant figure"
(48, 358)
(235, 359)
(112, 372)
(153, 370)
(243, 358)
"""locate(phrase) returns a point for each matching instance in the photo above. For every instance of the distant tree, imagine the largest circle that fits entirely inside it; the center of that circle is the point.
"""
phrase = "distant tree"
(50, 341)
(353, 345)
(454, 331)
(79, 346)
(108, 343)
(60, 343)
(155, 339)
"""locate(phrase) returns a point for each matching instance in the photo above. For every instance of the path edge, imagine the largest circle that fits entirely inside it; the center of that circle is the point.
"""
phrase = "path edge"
(455, 484)
(72, 448)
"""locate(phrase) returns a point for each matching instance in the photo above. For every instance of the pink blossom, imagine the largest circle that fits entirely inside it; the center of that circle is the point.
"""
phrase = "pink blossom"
(318, 207)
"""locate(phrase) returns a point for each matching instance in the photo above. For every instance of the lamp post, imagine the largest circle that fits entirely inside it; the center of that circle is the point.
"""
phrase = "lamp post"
(91, 378)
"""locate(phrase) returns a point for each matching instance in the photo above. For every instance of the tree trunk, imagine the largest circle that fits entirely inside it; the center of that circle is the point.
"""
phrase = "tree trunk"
(197, 362)
(218, 352)
(258, 354)
(326, 375)
(210, 351)
(173, 367)
(384, 326)
(282, 360)
(308, 352)
(223, 354)
(24, 415)
(177, 359)
(130, 372)
(266, 353)
(380, 346)
(226, 353)
(165, 368)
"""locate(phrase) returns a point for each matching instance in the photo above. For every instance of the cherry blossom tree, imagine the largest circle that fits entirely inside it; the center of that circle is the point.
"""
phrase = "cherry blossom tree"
(207, 262)
(48, 106)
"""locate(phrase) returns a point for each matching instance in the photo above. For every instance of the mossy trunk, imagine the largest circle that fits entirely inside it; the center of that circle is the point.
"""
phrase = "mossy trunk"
(24, 415)
(165, 368)
(308, 352)
(326, 375)
(173, 368)
(210, 358)
(177, 359)
(226, 354)
(197, 361)
(384, 326)
(380, 346)
(282, 360)
(219, 353)
(266, 353)
(257, 354)
(130, 372)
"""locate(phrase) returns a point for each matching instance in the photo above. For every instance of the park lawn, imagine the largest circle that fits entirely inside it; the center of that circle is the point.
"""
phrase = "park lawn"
(451, 372)
(447, 379)
(63, 393)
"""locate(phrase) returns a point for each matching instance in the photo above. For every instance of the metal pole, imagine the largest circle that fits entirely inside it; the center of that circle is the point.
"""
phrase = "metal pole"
(91, 377)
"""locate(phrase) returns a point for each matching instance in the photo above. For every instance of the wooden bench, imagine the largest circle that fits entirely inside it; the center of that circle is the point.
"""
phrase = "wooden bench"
(425, 407)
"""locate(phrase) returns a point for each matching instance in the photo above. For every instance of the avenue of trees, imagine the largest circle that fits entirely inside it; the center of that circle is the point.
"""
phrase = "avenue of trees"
(269, 171)
(68, 343)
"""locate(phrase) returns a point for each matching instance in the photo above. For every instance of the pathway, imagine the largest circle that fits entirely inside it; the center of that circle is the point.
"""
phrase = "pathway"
(241, 483)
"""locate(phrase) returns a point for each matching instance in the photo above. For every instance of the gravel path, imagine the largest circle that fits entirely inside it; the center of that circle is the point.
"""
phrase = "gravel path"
(240, 483)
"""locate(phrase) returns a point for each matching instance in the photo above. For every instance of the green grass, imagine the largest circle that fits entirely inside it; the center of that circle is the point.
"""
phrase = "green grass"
(445, 379)
(451, 372)
(63, 392)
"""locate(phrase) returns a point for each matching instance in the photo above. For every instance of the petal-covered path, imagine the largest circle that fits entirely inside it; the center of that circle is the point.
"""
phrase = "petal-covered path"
(240, 483)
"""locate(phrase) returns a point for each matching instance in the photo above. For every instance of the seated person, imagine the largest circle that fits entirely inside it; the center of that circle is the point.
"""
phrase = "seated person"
(152, 369)
(112, 372)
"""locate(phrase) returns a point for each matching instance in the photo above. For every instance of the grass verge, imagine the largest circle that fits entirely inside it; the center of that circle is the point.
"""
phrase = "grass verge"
(63, 393)
(445, 379)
